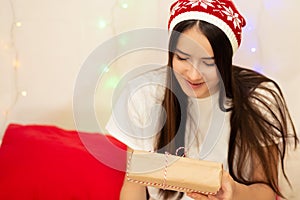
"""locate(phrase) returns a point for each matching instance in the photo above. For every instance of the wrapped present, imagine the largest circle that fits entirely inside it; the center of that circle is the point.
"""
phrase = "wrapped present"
(176, 173)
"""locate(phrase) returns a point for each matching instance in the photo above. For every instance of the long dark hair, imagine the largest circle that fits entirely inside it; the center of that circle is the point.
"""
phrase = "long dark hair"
(253, 135)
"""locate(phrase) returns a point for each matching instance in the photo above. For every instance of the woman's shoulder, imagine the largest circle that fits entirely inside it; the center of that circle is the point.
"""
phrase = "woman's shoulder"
(148, 73)
(150, 83)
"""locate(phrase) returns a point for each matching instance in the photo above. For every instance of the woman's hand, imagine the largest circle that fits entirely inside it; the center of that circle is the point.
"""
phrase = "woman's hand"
(226, 192)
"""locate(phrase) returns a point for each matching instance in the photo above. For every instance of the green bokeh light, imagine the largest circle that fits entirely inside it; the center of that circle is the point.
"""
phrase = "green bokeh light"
(112, 82)
(102, 23)
(124, 5)
(123, 41)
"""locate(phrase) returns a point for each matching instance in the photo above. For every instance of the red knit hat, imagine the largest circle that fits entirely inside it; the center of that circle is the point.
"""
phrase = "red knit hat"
(221, 13)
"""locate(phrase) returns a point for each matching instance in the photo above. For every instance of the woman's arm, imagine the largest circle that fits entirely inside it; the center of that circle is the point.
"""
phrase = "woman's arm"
(231, 190)
(255, 191)
(258, 191)
(132, 191)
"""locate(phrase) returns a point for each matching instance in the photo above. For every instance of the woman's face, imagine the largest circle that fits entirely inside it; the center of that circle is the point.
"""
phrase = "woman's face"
(194, 66)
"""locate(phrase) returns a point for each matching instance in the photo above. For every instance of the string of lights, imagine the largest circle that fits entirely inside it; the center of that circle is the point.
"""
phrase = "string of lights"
(13, 52)
(111, 23)
(15, 64)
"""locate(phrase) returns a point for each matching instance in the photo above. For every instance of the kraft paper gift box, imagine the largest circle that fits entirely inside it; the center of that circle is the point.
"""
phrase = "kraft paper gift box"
(176, 173)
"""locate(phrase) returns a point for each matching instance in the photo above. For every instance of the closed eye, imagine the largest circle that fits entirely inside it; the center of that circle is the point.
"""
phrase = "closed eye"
(209, 64)
(180, 57)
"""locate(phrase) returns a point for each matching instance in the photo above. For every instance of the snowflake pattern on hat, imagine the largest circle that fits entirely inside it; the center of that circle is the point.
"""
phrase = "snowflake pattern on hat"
(221, 13)
(232, 16)
(203, 3)
(176, 7)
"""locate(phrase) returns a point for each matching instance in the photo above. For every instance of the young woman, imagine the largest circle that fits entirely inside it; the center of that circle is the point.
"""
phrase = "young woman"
(217, 111)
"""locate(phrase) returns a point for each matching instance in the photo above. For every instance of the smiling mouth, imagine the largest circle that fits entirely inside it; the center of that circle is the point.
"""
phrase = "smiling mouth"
(195, 85)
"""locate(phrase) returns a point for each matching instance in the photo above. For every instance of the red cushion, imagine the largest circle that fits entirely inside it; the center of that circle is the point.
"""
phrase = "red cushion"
(46, 162)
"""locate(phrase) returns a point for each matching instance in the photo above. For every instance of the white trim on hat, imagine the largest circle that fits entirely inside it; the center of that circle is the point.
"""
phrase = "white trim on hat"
(196, 15)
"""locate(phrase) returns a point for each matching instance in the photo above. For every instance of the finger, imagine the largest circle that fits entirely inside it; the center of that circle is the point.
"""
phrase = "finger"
(211, 197)
(197, 196)
(227, 183)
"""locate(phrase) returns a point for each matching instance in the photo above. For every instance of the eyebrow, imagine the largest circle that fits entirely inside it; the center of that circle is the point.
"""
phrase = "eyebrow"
(182, 52)
(204, 58)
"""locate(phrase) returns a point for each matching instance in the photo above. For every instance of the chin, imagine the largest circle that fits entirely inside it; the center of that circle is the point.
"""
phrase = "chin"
(197, 95)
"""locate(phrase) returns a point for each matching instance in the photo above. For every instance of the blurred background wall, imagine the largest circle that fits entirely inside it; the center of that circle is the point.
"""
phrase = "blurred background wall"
(43, 44)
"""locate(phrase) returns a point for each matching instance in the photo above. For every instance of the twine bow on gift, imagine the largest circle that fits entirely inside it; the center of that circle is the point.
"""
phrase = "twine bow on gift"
(167, 163)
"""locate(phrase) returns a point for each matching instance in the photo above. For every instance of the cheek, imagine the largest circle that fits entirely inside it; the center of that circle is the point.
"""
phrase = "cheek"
(211, 74)
(178, 66)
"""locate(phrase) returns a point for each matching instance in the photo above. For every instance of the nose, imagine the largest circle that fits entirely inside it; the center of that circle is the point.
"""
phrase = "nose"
(194, 73)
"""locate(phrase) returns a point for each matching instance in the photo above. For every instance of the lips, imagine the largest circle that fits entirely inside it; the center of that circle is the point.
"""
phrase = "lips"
(195, 85)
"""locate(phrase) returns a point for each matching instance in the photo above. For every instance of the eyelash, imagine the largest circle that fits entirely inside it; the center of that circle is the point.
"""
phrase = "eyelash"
(180, 58)
(207, 64)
